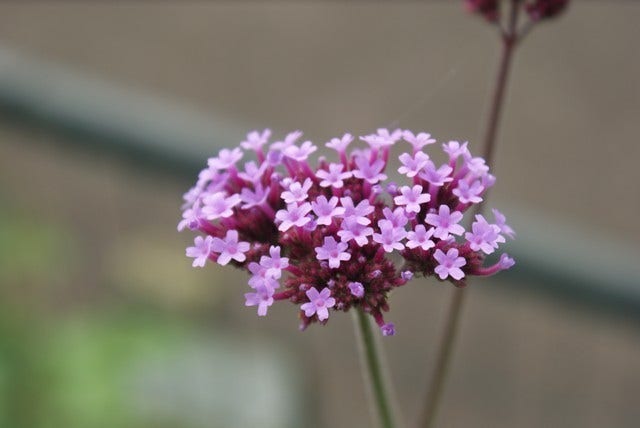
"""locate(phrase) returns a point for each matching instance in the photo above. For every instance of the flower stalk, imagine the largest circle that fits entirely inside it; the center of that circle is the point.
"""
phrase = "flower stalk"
(509, 38)
(374, 373)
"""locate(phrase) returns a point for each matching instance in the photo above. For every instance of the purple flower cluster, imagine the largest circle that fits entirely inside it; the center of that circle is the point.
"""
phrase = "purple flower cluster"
(536, 9)
(322, 237)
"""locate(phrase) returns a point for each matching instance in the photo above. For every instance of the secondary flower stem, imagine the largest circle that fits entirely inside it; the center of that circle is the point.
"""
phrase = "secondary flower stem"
(447, 341)
(372, 368)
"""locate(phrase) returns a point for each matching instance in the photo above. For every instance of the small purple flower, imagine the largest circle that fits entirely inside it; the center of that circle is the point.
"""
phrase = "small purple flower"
(334, 177)
(297, 192)
(476, 166)
(289, 140)
(326, 210)
(200, 251)
(226, 158)
(207, 176)
(294, 215)
(411, 198)
(369, 172)
(334, 252)
(397, 217)
(483, 236)
(300, 153)
(436, 177)
(340, 144)
(218, 205)
(407, 275)
(274, 157)
(256, 140)
(501, 223)
(351, 229)
(454, 149)
(446, 222)
(359, 212)
(190, 218)
(319, 303)
(417, 141)
(412, 165)
(252, 172)
(252, 198)
(506, 262)
(357, 289)
(488, 180)
(469, 193)
(420, 238)
(383, 138)
(388, 329)
(449, 264)
(263, 298)
(390, 236)
(274, 263)
(229, 248)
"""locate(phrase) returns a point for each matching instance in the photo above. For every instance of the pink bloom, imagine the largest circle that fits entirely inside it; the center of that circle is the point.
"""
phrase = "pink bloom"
(417, 141)
(506, 262)
(334, 177)
(476, 166)
(200, 251)
(252, 172)
(412, 165)
(262, 297)
(469, 193)
(483, 236)
(218, 205)
(300, 153)
(357, 289)
(420, 238)
(256, 140)
(436, 177)
(383, 138)
(334, 252)
(369, 172)
(252, 198)
(449, 264)
(274, 263)
(319, 303)
(351, 229)
(412, 198)
(326, 210)
(359, 212)
(190, 218)
(446, 222)
(501, 223)
(297, 192)
(397, 217)
(389, 236)
(454, 149)
(229, 248)
(388, 329)
(294, 215)
(288, 141)
(226, 158)
(340, 144)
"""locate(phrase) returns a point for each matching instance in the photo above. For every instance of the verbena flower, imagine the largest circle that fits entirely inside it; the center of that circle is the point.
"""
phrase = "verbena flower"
(325, 236)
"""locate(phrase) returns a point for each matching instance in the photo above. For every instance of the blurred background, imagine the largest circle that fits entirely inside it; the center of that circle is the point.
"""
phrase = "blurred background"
(109, 110)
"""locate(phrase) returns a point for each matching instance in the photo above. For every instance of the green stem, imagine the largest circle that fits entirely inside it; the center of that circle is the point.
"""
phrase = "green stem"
(372, 367)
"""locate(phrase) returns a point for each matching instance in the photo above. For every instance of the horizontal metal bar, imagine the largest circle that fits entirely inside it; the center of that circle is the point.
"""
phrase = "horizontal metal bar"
(552, 257)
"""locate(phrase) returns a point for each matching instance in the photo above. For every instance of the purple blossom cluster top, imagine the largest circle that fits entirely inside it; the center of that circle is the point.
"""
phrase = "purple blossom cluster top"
(324, 237)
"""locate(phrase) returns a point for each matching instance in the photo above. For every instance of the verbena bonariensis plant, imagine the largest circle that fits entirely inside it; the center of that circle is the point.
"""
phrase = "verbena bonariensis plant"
(323, 237)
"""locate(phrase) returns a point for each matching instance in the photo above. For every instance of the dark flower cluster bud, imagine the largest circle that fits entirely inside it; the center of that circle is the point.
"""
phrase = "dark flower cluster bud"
(543, 9)
(489, 9)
